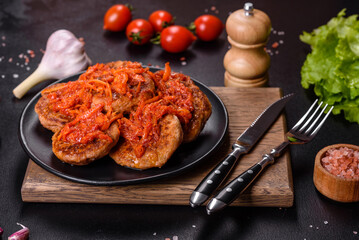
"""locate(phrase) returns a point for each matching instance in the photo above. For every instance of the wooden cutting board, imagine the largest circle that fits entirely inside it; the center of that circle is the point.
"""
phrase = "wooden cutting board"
(274, 188)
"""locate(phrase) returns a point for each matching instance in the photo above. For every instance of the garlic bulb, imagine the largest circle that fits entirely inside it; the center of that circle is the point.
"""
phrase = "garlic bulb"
(64, 56)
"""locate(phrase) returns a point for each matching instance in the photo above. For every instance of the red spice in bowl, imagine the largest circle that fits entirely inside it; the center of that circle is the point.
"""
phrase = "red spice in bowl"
(342, 162)
(336, 172)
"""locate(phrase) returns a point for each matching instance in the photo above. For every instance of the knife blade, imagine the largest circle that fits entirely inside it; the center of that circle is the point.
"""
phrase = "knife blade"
(243, 145)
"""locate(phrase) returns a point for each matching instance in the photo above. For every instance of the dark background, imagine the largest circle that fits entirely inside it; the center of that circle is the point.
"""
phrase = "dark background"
(26, 25)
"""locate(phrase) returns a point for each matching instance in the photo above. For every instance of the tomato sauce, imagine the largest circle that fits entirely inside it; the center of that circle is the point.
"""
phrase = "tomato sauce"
(141, 128)
(70, 100)
(87, 127)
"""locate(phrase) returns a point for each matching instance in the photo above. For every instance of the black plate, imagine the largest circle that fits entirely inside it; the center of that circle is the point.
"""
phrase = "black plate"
(36, 141)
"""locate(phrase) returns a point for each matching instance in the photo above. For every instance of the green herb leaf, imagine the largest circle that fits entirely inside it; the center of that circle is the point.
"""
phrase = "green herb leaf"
(292, 139)
(333, 65)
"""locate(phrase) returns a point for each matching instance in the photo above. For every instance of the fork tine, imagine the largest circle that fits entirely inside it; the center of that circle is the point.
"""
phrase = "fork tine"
(310, 118)
(316, 120)
(321, 123)
(304, 117)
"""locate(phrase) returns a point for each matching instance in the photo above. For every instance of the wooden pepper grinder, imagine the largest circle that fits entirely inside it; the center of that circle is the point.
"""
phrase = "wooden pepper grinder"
(247, 62)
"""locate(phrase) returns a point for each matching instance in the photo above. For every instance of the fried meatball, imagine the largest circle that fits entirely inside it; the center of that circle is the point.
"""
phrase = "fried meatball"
(157, 154)
(153, 112)
(50, 119)
(185, 89)
(54, 116)
(202, 111)
(83, 154)
(141, 88)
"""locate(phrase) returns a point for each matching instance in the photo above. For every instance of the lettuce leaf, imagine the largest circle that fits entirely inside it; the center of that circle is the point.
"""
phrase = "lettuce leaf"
(333, 65)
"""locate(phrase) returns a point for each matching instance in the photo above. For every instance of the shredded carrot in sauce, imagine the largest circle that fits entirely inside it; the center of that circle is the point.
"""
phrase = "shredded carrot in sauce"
(98, 71)
(167, 72)
(176, 92)
(86, 127)
(69, 100)
(120, 83)
(88, 100)
(173, 97)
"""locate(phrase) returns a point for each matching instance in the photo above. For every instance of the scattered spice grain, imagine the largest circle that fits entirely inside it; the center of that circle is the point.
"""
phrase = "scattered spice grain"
(275, 45)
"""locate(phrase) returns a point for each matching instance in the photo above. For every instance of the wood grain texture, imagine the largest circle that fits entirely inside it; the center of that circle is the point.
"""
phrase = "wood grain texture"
(274, 188)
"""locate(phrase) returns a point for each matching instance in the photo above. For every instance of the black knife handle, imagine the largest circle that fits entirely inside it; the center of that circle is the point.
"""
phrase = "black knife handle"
(233, 189)
(211, 182)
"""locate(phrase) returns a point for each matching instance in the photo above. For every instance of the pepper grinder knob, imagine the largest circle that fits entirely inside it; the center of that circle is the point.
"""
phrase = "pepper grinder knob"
(247, 62)
(248, 9)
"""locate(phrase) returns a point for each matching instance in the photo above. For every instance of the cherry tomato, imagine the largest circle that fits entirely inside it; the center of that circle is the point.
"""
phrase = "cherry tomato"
(175, 39)
(139, 31)
(160, 19)
(208, 27)
(117, 17)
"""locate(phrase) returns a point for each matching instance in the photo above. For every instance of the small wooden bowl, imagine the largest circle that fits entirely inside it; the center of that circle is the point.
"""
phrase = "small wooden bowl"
(336, 188)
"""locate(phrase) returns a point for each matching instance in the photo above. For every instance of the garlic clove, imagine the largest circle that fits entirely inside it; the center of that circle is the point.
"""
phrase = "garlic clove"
(64, 56)
(22, 234)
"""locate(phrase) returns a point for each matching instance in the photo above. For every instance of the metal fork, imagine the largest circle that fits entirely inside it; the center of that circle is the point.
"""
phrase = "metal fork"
(301, 133)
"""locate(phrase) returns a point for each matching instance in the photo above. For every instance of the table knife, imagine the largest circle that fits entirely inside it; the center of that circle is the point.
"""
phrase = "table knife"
(243, 145)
